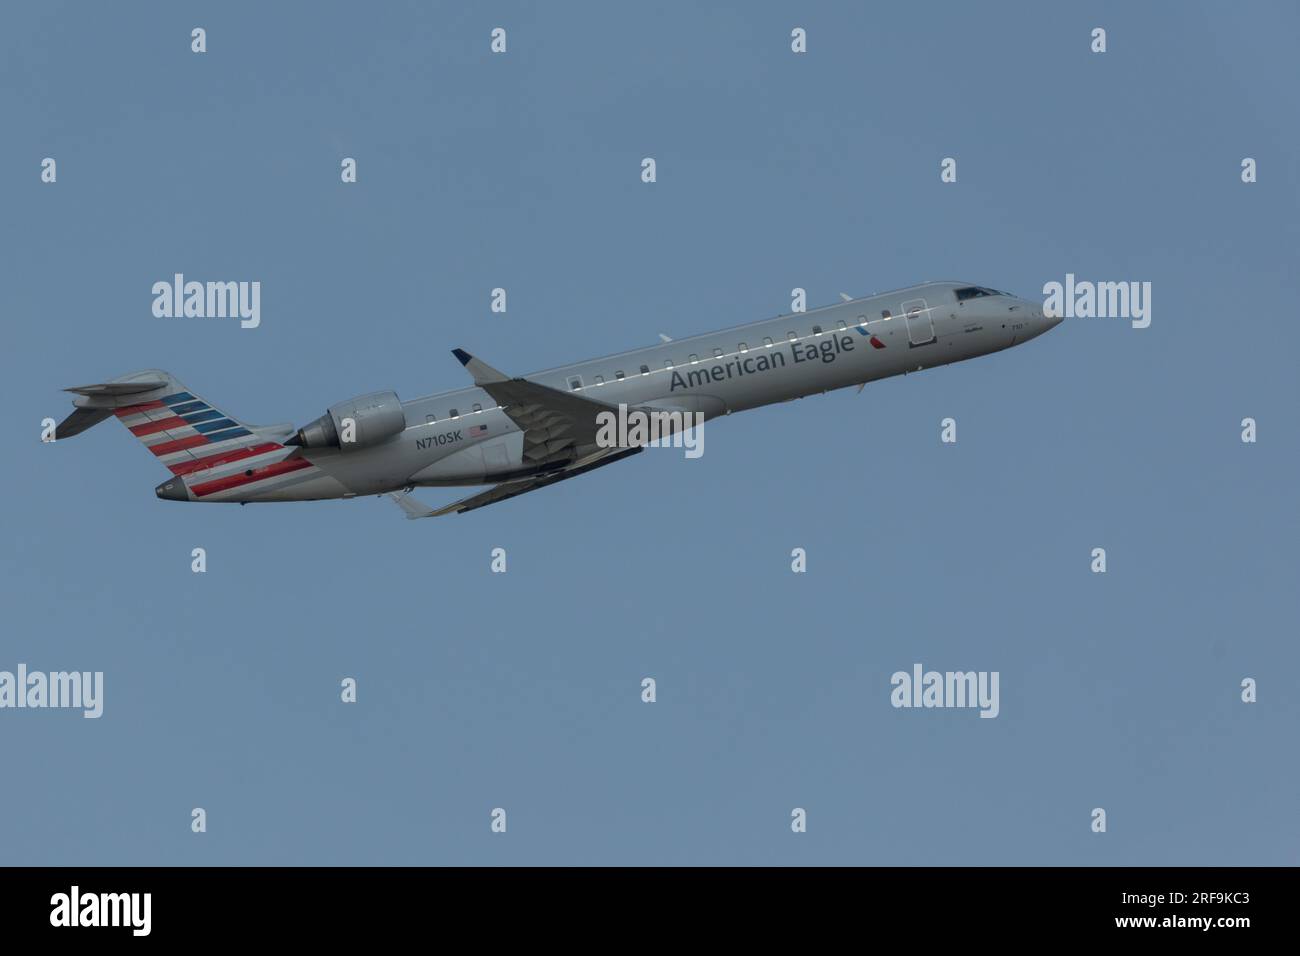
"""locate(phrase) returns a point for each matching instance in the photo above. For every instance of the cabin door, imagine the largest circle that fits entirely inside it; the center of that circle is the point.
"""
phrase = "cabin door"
(920, 326)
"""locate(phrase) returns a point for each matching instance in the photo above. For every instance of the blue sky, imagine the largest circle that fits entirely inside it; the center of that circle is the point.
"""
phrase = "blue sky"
(775, 170)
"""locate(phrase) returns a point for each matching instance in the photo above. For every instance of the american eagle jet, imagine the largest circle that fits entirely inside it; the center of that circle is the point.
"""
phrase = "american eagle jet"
(520, 434)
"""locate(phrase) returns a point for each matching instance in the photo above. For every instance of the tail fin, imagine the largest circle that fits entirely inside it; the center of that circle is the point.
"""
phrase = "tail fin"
(186, 433)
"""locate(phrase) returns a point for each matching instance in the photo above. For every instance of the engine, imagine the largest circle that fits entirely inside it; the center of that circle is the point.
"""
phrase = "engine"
(356, 423)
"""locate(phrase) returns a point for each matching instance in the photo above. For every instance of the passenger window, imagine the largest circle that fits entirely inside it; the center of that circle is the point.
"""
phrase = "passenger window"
(694, 358)
(767, 342)
(717, 353)
(575, 383)
(792, 337)
(619, 376)
(454, 414)
(645, 369)
(817, 330)
(668, 364)
(477, 408)
(843, 326)
(884, 314)
(430, 419)
(862, 321)
(600, 380)
(743, 348)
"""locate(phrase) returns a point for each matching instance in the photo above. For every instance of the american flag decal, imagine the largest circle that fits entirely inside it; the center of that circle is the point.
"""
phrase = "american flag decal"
(477, 430)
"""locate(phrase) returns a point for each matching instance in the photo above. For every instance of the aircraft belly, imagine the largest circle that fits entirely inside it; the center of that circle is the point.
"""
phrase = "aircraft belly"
(316, 488)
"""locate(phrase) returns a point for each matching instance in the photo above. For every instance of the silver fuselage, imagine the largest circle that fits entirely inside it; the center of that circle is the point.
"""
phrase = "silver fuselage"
(715, 374)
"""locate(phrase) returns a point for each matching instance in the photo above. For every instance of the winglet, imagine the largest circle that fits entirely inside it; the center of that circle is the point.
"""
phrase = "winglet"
(410, 506)
(482, 372)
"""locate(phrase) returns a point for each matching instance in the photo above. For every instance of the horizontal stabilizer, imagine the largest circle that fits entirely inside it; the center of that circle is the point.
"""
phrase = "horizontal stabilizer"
(80, 420)
(111, 389)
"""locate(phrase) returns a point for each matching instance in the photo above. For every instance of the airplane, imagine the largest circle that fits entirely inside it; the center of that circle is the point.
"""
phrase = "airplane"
(521, 434)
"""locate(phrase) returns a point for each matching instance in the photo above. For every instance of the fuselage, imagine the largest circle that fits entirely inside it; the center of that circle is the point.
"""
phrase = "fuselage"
(462, 437)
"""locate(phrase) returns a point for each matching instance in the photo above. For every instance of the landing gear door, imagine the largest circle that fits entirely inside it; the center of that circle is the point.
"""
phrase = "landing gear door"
(496, 457)
(920, 326)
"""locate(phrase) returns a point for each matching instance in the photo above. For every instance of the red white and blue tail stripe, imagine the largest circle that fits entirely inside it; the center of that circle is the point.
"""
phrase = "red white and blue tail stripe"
(216, 457)
(214, 452)
(187, 434)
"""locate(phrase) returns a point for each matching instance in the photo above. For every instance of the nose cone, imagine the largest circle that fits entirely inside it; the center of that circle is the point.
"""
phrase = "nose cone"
(1039, 320)
(173, 490)
(1048, 321)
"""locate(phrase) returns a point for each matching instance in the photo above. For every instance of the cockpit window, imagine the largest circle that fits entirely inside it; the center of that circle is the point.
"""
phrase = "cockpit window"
(974, 292)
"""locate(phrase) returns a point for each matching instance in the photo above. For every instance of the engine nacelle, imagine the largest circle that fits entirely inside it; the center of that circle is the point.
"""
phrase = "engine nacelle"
(356, 423)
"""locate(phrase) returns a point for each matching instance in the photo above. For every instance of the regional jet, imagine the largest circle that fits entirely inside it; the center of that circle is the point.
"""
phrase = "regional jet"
(521, 434)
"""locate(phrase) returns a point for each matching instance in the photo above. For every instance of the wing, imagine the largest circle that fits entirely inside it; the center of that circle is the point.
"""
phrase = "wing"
(510, 489)
(557, 426)
(409, 505)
